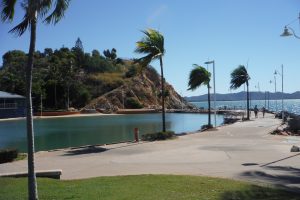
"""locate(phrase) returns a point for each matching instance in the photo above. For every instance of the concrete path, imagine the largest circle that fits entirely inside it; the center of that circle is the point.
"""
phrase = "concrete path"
(243, 151)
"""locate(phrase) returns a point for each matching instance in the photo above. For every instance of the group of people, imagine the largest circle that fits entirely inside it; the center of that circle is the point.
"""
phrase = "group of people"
(263, 110)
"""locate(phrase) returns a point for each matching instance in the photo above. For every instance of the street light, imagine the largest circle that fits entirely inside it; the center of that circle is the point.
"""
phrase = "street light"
(275, 92)
(287, 29)
(214, 82)
(281, 74)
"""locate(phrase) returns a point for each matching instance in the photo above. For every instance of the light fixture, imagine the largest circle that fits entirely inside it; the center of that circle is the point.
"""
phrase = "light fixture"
(286, 32)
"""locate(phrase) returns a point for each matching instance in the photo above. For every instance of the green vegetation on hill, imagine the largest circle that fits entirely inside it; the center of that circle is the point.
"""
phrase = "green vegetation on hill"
(65, 75)
(144, 187)
(65, 78)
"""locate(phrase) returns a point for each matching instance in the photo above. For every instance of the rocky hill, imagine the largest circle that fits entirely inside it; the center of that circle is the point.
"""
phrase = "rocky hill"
(71, 79)
(140, 91)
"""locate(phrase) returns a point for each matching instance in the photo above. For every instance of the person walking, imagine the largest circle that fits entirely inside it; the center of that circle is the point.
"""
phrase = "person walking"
(263, 111)
(255, 111)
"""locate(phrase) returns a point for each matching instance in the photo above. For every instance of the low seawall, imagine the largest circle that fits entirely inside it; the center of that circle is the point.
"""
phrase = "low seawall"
(58, 113)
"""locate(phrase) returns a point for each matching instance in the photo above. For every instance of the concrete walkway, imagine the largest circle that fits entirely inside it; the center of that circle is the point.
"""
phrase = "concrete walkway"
(243, 151)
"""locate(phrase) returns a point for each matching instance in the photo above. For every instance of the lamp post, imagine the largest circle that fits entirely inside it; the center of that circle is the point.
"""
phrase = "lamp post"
(281, 74)
(287, 29)
(41, 104)
(123, 98)
(214, 82)
(68, 84)
(269, 96)
(275, 92)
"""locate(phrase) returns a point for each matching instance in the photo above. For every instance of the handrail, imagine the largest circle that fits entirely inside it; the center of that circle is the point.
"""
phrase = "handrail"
(8, 105)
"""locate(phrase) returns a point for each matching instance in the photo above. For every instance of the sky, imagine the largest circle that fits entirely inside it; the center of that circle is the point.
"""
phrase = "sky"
(230, 32)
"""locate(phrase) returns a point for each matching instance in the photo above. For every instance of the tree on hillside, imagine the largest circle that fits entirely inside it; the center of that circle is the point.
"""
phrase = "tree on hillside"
(152, 44)
(200, 76)
(79, 54)
(112, 55)
(78, 44)
(240, 76)
(34, 10)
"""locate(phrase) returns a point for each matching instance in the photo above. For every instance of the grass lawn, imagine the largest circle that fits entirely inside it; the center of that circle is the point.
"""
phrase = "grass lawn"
(21, 156)
(144, 187)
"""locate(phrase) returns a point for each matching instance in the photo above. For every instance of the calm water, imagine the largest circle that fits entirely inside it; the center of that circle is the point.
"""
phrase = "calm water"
(77, 131)
(291, 105)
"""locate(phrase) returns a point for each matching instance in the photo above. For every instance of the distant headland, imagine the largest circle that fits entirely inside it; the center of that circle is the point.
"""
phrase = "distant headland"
(242, 96)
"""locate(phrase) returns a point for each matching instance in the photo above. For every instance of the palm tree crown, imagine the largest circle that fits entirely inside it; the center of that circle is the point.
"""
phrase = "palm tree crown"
(198, 76)
(239, 76)
(151, 44)
(33, 10)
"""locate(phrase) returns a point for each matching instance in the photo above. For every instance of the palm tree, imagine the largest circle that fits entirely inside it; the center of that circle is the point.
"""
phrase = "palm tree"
(200, 76)
(33, 10)
(153, 46)
(240, 76)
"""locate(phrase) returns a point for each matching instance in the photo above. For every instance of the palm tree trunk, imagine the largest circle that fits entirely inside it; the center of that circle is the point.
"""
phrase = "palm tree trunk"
(32, 184)
(162, 95)
(209, 108)
(248, 110)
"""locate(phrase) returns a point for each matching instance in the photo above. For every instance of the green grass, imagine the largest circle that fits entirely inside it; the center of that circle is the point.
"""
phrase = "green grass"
(21, 156)
(144, 187)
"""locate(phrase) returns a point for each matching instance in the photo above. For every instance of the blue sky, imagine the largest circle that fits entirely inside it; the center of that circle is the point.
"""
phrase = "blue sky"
(231, 32)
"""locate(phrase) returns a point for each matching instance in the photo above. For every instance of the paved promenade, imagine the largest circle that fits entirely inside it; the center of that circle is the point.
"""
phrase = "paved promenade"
(243, 150)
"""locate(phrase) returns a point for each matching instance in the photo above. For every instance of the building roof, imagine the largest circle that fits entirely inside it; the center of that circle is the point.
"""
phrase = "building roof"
(6, 95)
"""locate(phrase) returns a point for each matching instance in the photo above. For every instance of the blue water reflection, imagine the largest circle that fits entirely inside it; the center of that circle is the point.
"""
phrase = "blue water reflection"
(77, 131)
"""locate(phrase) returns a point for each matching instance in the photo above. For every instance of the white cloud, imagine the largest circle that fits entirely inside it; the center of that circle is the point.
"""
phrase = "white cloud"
(157, 13)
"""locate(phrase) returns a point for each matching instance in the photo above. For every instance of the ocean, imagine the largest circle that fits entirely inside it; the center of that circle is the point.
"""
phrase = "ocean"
(290, 105)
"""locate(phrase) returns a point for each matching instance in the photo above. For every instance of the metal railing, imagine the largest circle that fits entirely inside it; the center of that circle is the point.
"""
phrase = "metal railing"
(8, 105)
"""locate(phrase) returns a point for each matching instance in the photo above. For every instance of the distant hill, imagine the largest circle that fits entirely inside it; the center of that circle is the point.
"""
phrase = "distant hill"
(242, 96)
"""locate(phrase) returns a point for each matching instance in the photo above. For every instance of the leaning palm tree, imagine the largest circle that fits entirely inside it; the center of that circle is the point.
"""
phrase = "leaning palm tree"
(153, 46)
(240, 76)
(33, 10)
(200, 76)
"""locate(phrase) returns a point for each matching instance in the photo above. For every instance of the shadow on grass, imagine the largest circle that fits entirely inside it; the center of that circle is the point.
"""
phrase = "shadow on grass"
(259, 193)
(281, 176)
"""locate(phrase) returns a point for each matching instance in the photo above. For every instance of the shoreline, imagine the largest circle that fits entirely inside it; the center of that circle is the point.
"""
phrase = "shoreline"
(61, 116)
(121, 112)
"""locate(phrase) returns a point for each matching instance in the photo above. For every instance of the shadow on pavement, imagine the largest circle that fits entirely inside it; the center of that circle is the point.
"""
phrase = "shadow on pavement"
(84, 150)
(95, 149)
(280, 160)
(282, 176)
(259, 193)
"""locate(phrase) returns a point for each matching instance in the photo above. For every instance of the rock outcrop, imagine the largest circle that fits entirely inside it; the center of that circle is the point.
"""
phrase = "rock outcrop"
(140, 91)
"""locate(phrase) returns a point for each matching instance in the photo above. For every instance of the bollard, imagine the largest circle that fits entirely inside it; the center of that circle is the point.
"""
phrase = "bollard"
(136, 134)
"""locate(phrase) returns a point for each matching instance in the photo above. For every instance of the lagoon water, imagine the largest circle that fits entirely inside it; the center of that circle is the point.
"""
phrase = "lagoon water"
(56, 133)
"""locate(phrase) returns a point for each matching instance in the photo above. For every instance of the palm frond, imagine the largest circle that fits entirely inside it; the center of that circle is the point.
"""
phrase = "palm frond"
(198, 76)
(144, 61)
(43, 7)
(151, 43)
(239, 76)
(21, 27)
(58, 12)
(8, 11)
